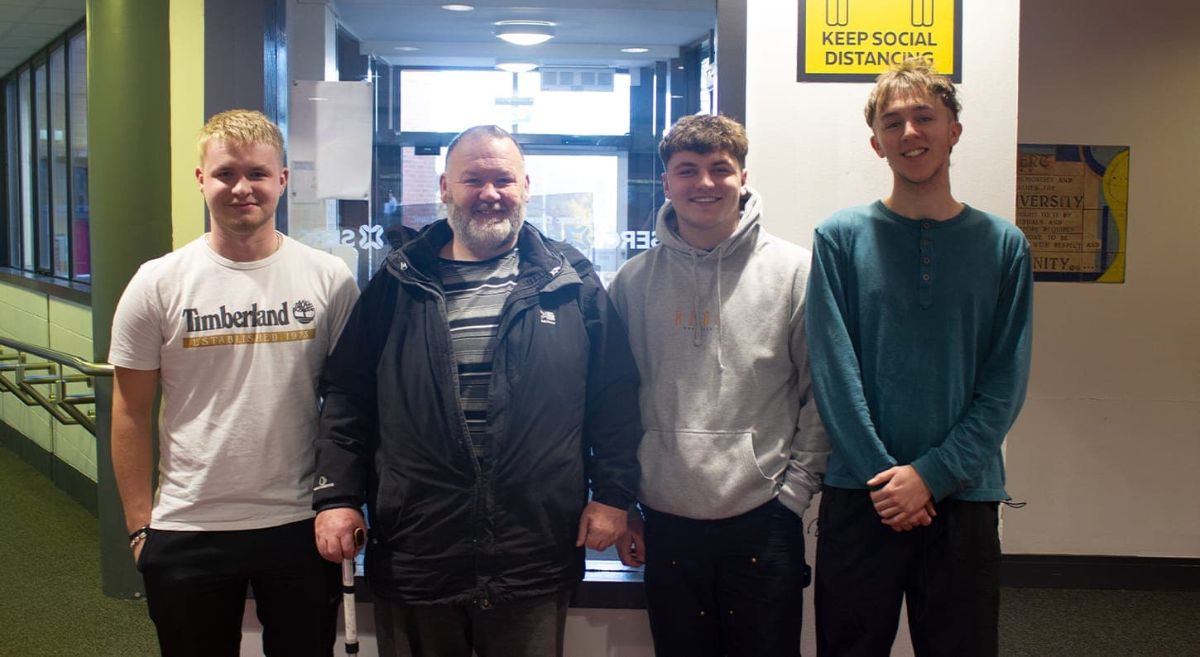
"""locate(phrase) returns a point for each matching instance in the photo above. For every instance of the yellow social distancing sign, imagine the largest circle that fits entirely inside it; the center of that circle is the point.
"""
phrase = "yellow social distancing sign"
(856, 40)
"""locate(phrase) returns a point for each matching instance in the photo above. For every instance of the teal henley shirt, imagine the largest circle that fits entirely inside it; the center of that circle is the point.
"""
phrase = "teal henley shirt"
(919, 338)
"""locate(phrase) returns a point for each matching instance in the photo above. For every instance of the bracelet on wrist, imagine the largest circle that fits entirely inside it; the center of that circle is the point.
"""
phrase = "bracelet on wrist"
(138, 535)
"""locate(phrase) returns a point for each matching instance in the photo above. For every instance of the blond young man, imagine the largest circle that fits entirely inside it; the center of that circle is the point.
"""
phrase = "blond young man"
(733, 449)
(233, 329)
(919, 322)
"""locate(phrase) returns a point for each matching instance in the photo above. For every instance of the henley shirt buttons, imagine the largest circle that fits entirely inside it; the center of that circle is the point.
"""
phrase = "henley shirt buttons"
(925, 277)
(926, 225)
(925, 260)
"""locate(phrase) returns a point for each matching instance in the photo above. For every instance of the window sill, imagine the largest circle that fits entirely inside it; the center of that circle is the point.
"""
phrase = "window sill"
(80, 293)
(605, 585)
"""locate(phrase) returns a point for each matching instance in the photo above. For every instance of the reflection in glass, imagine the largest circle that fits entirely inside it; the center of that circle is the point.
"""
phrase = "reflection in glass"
(57, 130)
(12, 205)
(41, 118)
(26, 139)
(80, 241)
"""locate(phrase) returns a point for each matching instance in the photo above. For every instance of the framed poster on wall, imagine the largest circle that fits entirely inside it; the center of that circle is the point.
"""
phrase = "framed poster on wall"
(1072, 203)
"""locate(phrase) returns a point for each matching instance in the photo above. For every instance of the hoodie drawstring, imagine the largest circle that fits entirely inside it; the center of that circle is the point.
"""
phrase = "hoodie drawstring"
(696, 316)
(720, 261)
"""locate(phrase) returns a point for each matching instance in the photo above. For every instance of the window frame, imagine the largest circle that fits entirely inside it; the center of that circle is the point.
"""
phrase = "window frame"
(16, 264)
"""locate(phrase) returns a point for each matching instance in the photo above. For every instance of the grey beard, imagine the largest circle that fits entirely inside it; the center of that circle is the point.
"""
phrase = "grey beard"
(484, 238)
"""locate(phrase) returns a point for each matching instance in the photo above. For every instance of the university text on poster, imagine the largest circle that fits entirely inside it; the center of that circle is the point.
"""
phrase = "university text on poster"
(1071, 204)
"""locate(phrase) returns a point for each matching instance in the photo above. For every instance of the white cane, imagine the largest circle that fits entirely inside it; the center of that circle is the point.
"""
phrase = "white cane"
(349, 614)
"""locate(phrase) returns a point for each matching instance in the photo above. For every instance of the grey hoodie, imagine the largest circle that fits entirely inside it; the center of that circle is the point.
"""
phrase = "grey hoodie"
(725, 397)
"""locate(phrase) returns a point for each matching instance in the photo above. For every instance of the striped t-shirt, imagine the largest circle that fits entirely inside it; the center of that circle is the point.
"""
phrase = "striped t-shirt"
(475, 296)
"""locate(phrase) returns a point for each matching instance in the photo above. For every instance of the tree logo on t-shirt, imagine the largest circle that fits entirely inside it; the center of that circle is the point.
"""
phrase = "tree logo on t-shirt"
(304, 311)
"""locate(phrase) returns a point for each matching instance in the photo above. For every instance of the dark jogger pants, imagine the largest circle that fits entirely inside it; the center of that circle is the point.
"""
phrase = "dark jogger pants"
(948, 573)
(732, 587)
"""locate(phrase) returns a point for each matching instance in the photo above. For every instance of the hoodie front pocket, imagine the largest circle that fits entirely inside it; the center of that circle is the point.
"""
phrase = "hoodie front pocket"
(699, 474)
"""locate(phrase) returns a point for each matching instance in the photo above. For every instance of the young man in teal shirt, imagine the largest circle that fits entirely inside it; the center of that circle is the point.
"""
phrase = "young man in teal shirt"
(919, 321)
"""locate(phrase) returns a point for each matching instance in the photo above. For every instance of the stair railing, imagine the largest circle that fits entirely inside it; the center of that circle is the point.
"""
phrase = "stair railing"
(44, 377)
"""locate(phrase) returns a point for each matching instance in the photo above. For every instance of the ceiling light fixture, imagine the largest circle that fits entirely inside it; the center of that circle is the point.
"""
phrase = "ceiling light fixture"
(635, 51)
(458, 7)
(516, 67)
(406, 48)
(523, 32)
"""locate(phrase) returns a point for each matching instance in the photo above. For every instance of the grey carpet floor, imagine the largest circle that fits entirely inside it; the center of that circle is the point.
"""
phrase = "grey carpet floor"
(1090, 623)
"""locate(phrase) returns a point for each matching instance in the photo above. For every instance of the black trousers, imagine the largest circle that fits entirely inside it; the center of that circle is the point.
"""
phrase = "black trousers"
(196, 590)
(948, 573)
(732, 587)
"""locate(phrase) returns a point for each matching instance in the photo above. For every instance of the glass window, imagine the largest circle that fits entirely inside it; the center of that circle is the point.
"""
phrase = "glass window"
(12, 170)
(41, 117)
(77, 80)
(57, 130)
(46, 148)
(463, 98)
(574, 198)
(515, 102)
(25, 138)
(571, 112)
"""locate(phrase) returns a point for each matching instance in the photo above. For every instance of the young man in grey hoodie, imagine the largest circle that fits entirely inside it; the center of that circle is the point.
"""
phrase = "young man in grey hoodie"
(733, 449)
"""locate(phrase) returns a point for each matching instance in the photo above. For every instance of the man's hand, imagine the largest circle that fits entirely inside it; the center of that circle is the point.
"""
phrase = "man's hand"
(902, 500)
(137, 551)
(600, 526)
(631, 545)
(335, 533)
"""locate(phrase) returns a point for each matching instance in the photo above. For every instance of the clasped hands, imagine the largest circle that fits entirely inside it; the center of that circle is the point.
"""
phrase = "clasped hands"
(901, 498)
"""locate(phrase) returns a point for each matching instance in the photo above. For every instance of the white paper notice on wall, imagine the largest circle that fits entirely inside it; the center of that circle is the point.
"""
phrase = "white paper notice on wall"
(330, 132)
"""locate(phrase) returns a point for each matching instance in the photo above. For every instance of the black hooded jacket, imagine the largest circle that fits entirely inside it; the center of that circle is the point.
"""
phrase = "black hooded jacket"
(562, 414)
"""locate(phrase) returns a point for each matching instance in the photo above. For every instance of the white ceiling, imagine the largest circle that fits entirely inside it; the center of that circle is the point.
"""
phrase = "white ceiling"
(589, 32)
(28, 25)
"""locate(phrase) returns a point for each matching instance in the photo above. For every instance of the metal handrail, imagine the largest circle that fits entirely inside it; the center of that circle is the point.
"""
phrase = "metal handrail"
(60, 357)
(60, 404)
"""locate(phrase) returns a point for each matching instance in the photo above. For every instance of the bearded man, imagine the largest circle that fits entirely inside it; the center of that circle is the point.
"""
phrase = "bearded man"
(483, 386)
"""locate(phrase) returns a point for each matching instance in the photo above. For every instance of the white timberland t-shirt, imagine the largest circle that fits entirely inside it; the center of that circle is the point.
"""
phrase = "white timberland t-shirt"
(239, 347)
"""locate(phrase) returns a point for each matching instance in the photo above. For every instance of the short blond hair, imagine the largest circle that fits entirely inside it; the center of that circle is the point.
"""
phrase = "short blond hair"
(240, 127)
(914, 76)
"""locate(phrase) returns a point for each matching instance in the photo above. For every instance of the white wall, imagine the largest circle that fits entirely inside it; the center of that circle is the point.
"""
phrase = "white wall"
(809, 150)
(1108, 446)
